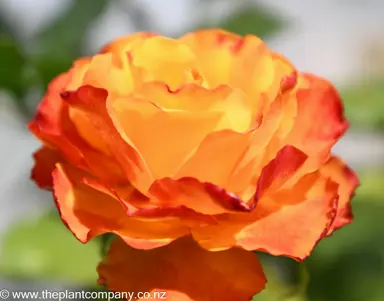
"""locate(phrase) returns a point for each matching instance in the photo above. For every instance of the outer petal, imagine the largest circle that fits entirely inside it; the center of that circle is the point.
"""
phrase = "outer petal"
(139, 205)
(88, 213)
(293, 221)
(53, 126)
(339, 172)
(289, 223)
(50, 122)
(185, 269)
(91, 113)
(45, 161)
(308, 117)
(320, 120)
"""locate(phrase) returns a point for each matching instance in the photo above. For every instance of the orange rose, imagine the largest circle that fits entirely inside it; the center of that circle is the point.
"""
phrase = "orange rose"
(209, 142)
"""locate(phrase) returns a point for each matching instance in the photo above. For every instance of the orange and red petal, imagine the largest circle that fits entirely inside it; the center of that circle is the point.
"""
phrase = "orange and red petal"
(45, 161)
(227, 58)
(90, 103)
(53, 125)
(292, 222)
(279, 170)
(88, 213)
(339, 172)
(319, 122)
(184, 269)
(202, 197)
(289, 223)
(244, 177)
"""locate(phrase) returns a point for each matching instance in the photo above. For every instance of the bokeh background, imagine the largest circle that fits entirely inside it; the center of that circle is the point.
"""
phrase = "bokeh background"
(340, 40)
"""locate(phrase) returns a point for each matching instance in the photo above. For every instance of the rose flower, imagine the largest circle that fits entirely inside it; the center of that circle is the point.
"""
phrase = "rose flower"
(194, 151)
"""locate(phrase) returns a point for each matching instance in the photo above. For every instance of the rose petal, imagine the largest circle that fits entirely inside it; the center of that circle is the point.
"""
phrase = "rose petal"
(45, 161)
(279, 170)
(53, 126)
(243, 179)
(50, 122)
(189, 97)
(88, 213)
(339, 172)
(236, 108)
(90, 104)
(205, 198)
(156, 54)
(319, 123)
(293, 221)
(139, 205)
(289, 223)
(163, 138)
(103, 72)
(125, 43)
(185, 269)
(227, 58)
(213, 160)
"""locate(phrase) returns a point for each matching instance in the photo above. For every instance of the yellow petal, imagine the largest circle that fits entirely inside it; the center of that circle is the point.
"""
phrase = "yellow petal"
(161, 137)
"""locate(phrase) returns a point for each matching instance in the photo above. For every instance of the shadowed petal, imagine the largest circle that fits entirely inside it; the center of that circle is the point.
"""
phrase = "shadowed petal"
(205, 198)
(184, 269)
(45, 161)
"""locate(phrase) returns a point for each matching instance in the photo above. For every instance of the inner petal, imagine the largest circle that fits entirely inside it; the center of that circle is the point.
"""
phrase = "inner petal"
(235, 107)
(166, 60)
(162, 138)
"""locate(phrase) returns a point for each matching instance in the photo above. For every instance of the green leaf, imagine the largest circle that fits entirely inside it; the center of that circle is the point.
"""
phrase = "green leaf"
(46, 249)
(105, 241)
(349, 263)
(66, 33)
(59, 43)
(287, 279)
(364, 104)
(252, 20)
(371, 187)
(14, 75)
(50, 66)
(12, 66)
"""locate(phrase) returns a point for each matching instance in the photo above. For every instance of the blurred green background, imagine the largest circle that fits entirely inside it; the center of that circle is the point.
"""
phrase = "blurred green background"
(349, 266)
